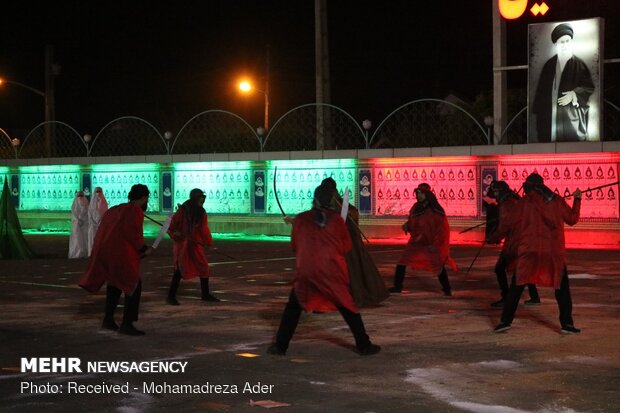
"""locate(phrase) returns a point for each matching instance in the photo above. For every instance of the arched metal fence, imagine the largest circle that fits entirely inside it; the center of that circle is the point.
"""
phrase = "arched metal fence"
(419, 123)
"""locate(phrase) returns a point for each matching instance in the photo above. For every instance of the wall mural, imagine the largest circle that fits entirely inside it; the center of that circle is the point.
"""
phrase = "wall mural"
(454, 186)
(379, 187)
(296, 187)
(564, 178)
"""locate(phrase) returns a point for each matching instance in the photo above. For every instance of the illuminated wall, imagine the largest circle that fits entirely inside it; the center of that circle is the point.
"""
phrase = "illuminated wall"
(116, 181)
(565, 176)
(227, 185)
(297, 180)
(49, 188)
(379, 187)
(452, 180)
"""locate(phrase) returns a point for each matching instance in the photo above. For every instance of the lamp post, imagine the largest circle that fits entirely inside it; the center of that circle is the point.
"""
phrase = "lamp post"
(14, 142)
(247, 87)
(49, 108)
(87, 139)
(366, 124)
(167, 137)
(488, 121)
(260, 131)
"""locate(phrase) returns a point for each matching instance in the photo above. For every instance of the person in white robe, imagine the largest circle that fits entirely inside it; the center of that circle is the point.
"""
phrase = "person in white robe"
(98, 206)
(78, 240)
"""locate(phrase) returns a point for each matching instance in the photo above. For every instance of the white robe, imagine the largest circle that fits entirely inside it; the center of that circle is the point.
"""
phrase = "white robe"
(78, 240)
(98, 206)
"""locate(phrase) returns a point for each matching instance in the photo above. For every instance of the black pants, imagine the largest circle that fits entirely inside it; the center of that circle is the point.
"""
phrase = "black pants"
(502, 279)
(562, 296)
(132, 303)
(176, 280)
(290, 319)
(399, 277)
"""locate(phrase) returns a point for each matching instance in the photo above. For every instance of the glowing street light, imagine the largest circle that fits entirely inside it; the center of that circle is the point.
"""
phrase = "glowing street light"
(246, 87)
(30, 88)
(49, 108)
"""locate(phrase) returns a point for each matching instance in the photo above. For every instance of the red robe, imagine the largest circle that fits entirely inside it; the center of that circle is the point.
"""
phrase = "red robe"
(510, 235)
(115, 258)
(322, 279)
(428, 248)
(188, 249)
(541, 254)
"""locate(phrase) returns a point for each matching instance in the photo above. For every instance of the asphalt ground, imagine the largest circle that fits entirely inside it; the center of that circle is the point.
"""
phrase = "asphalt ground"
(438, 354)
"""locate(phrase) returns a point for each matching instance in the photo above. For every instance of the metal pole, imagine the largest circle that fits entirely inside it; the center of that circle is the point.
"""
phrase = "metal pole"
(499, 76)
(49, 99)
(266, 124)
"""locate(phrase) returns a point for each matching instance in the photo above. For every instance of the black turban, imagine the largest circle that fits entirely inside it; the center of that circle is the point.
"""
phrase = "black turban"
(561, 30)
(195, 194)
(534, 179)
(329, 182)
(138, 191)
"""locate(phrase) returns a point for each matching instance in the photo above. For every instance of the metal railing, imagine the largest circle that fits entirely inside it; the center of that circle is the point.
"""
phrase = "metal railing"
(419, 123)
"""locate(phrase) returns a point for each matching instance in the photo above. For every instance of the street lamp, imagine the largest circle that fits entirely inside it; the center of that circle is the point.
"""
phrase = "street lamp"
(488, 120)
(87, 139)
(260, 131)
(49, 107)
(14, 142)
(366, 124)
(30, 88)
(246, 87)
(167, 137)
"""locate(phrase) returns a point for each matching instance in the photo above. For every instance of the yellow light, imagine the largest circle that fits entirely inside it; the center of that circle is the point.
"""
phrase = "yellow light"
(248, 355)
(512, 9)
(245, 86)
(541, 9)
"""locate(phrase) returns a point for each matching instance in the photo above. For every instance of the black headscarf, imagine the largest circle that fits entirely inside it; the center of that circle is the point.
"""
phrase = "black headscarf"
(323, 195)
(430, 202)
(535, 182)
(504, 191)
(194, 210)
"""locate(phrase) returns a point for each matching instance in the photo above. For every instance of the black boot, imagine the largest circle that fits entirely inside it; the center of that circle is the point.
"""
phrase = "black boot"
(399, 277)
(204, 286)
(445, 283)
(113, 295)
(174, 286)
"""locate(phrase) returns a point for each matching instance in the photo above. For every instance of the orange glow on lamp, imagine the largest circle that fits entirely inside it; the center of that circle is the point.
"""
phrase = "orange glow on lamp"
(512, 9)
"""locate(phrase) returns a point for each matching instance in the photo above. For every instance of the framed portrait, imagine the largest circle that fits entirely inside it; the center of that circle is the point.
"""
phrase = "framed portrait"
(565, 81)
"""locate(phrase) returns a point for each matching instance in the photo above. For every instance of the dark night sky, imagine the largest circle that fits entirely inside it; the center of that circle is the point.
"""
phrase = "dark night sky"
(167, 63)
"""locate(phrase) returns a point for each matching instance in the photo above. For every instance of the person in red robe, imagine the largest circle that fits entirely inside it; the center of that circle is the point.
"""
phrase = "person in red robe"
(506, 200)
(366, 284)
(189, 229)
(115, 260)
(320, 241)
(428, 248)
(539, 218)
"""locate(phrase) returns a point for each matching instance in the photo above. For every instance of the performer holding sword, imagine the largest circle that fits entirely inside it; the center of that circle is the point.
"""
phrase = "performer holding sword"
(189, 229)
(115, 260)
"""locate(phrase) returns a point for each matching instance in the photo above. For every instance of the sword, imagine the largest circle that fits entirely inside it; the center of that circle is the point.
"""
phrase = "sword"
(595, 188)
(344, 210)
(164, 229)
(275, 191)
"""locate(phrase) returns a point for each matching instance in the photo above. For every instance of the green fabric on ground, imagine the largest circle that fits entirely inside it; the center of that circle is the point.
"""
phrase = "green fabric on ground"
(12, 242)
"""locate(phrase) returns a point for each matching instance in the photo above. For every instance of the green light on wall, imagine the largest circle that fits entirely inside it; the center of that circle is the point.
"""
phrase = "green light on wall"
(48, 187)
(116, 181)
(4, 174)
(227, 185)
(297, 180)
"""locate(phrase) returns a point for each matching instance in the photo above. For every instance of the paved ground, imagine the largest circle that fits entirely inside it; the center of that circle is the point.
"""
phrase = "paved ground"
(439, 354)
